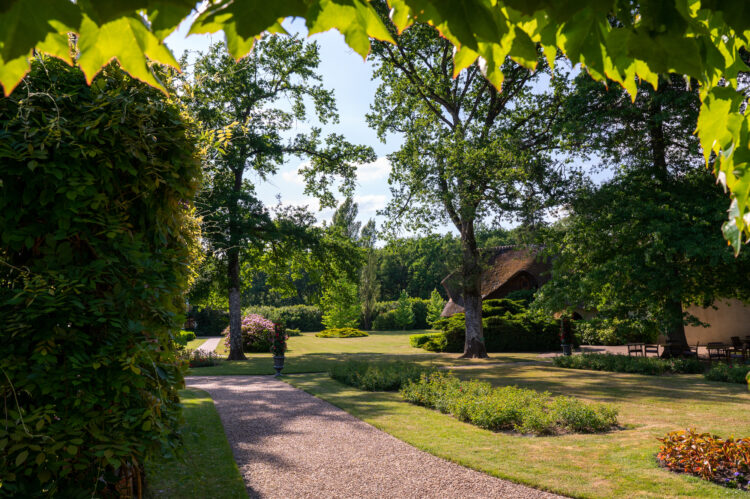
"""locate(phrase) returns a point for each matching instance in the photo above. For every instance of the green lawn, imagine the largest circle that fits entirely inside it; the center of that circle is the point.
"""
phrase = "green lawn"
(193, 344)
(616, 464)
(207, 467)
(309, 354)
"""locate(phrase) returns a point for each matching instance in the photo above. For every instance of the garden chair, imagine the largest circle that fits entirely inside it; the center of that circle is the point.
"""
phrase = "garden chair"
(635, 349)
(738, 351)
(716, 351)
(654, 349)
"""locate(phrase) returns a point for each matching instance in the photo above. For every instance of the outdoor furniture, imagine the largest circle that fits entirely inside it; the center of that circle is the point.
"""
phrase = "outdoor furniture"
(738, 350)
(654, 349)
(717, 351)
(679, 350)
(635, 349)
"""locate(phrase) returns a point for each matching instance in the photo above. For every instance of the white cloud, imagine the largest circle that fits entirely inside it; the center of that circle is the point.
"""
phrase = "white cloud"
(293, 176)
(376, 170)
(370, 203)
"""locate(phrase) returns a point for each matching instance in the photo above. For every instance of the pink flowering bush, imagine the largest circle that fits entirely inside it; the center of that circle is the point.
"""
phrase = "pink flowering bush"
(257, 333)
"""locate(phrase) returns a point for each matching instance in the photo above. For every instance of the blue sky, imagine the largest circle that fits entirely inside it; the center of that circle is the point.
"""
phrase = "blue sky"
(349, 77)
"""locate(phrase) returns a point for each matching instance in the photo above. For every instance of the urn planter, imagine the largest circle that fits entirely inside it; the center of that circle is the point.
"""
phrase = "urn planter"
(278, 364)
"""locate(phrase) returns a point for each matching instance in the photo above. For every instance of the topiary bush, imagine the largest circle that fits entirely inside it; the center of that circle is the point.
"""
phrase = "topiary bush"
(729, 374)
(341, 332)
(628, 364)
(508, 407)
(97, 239)
(373, 376)
(302, 317)
(257, 334)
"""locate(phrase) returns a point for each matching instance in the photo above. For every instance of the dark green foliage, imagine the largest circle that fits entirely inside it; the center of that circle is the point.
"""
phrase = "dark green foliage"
(183, 337)
(508, 327)
(525, 296)
(613, 331)
(372, 376)
(729, 374)
(341, 332)
(293, 332)
(384, 315)
(302, 317)
(628, 364)
(96, 241)
(508, 407)
(419, 340)
(209, 322)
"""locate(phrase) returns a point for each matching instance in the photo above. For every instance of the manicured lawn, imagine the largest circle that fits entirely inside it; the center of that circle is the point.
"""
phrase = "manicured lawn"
(616, 464)
(207, 468)
(309, 354)
(193, 344)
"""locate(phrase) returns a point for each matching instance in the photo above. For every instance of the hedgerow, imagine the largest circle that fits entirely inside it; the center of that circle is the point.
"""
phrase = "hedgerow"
(628, 364)
(374, 376)
(97, 236)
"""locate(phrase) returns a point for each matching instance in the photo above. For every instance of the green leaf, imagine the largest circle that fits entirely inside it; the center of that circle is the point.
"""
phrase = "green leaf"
(355, 19)
(21, 457)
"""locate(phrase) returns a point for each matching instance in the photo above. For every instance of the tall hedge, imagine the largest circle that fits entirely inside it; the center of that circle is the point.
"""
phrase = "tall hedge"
(302, 317)
(96, 240)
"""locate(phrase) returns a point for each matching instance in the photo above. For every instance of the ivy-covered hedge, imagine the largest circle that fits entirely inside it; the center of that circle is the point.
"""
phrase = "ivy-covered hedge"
(508, 327)
(97, 235)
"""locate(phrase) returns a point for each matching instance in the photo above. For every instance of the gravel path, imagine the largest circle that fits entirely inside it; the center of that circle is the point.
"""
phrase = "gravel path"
(289, 444)
(210, 344)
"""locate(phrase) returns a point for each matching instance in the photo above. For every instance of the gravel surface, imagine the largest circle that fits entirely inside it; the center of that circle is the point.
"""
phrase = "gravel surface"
(210, 344)
(289, 444)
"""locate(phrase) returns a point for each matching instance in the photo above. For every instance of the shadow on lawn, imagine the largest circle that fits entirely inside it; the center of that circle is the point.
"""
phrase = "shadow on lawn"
(612, 387)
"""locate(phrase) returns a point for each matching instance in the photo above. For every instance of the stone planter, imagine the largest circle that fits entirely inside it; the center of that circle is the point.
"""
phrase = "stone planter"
(567, 349)
(278, 364)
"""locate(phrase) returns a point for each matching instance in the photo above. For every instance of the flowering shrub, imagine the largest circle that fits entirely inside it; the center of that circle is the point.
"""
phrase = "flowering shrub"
(726, 462)
(197, 358)
(508, 407)
(278, 341)
(256, 333)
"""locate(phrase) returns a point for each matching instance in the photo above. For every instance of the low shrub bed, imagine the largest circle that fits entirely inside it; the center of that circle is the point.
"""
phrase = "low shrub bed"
(197, 358)
(183, 337)
(628, 364)
(508, 408)
(726, 462)
(377, 377)
(729, 374)
(341, 332)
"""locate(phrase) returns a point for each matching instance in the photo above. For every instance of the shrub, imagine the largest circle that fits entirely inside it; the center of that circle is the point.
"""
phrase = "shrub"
(209, 322)
(97, 241)
(403, 314)
(340, 305)
(628, 364)
(197, 358)
(723, 372)
(508, 327)
(293, 332)
(613, 331)
(183, 337)
(435, 307)
(377, 376)
(257, 332)
(301, 317)
(726, 462)
(418, 340)
(508, 407)
(278, 341)
(341, 332)
(384, 318)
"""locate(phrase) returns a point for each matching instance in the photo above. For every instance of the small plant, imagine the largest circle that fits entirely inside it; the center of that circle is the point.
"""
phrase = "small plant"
(628, 364)
(726, 462)
(729, 374)
(278, 341)
(509, 407)
(341, 332)
(377, 376)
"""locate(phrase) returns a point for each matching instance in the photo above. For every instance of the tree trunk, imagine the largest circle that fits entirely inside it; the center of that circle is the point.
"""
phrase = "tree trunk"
(676, 329)
(233, 260)
(474, 347)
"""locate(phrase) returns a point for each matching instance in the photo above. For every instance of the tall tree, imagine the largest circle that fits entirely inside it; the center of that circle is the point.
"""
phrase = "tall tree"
(239, 105)
(369, 286)
(645, 243)
(470, 151)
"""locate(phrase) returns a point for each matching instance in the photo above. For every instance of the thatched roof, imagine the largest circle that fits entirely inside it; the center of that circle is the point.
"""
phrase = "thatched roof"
(507, 268)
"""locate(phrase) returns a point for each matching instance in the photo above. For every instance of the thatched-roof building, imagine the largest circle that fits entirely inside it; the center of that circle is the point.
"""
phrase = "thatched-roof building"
(508, 268)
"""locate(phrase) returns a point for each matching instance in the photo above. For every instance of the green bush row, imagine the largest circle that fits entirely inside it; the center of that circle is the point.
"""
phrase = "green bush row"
(341, 332)
(508, 327)
(377, 376)
(733, 374)
(628, 364)
(302, 317)
(508, 407)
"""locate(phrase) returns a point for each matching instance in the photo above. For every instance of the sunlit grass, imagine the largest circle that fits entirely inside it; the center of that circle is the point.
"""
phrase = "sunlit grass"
(309, 354)
(194, 344)
(207, 468)
(617, 464)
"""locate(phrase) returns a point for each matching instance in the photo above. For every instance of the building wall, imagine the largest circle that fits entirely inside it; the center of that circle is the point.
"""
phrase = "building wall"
(731, 318)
